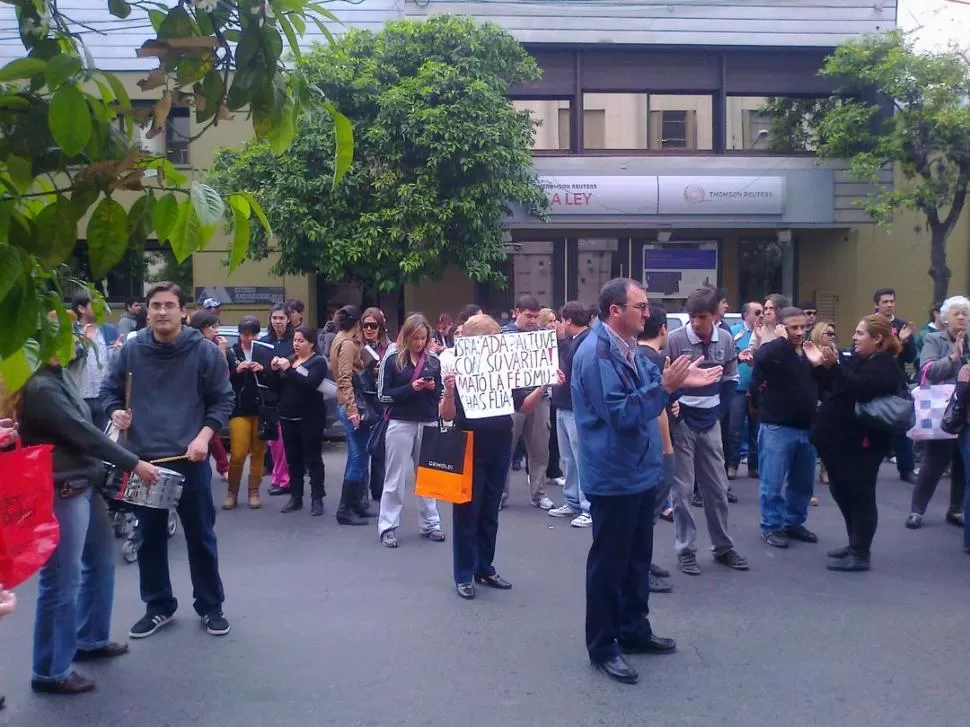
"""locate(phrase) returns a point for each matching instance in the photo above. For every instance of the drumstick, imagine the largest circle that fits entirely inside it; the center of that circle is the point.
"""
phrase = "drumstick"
(163, 460)
(124, 434)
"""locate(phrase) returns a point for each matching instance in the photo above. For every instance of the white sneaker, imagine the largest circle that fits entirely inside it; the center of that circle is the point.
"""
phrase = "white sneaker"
(558, 481)
(543, 503)
(564, 511)
(583, 521)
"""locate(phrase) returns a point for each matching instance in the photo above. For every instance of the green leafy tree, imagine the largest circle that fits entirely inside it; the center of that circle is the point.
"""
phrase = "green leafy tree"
(439, 156)
(64, 156)
(903, 108)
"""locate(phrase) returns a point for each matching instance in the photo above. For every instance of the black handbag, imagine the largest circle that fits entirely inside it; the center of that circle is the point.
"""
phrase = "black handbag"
(893, 413)
(268, 428)
(955, 415)
(375, 441)
(368, 405)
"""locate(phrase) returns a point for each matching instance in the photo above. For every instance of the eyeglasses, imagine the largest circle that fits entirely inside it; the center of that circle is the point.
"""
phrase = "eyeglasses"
(370, 326)
(810, 312)
(639, 306)
(157, 307)
(757, 312)
(830, 333)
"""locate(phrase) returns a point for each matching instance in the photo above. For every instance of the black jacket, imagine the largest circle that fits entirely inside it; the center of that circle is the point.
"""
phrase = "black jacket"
(857, 379)
(561, 396)
(395, 392)
(54, 413)
(908, 354)
(283, 346)
(245, 384)
(787, 386)
(299, 398)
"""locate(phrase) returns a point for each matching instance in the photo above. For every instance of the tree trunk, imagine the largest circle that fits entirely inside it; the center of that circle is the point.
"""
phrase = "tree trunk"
(939, 271)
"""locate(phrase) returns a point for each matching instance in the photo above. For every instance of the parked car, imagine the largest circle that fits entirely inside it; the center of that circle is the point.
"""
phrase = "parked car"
(333, 430)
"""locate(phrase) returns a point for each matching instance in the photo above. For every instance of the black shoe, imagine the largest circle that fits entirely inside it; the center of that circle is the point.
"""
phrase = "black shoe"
(907, 477)
(775, 538)
(3, 701)
(654, 645)
(349, 517)
(493, 581)
(292, 505)
(659, 585)
(362, 509)
(801, 534)
(276, 491)
(656, 570)
(838, 553)
(955, 518)
(516, 465)
(109, 651)
(617, 668)
(732, 559)
(149, 624)
(216, 624)
(74, 684)
(316, 507)
(731, 497)
(465, 590)
(850, 562)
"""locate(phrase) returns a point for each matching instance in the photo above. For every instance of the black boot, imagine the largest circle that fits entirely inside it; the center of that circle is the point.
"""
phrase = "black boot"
(851, 562)
(316, 506)
(349, 501)
(362, 508)
(292, 505)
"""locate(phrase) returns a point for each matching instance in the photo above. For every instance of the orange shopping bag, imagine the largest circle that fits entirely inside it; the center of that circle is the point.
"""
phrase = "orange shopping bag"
(28, 529)
(445, 465)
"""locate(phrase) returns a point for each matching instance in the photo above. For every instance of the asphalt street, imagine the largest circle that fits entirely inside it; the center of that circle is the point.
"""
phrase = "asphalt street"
(330, 628)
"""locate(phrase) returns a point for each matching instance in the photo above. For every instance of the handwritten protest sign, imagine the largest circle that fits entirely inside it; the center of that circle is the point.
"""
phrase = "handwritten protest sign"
(488, 368)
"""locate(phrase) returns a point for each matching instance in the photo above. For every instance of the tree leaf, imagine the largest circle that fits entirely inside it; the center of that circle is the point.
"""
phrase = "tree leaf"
(157, 17)
(19, 313)
(164, 216)
(21, 173)
(119, 8)
(213, 89)
(258, 211)
(107, 236)
(60, 69)
(239, 201)
(290, 36)
(11, 269)
(17, 368)
(57, 231)
(70, 120)
(240, 238)
(65, 335)
(177, 24)
(207, 202)
(285, 131)
(140, 219)
(187, 235)
(22, 68)
(344, 143)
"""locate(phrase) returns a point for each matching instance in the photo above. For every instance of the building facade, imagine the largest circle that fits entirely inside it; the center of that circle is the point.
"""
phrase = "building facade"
(657, 149)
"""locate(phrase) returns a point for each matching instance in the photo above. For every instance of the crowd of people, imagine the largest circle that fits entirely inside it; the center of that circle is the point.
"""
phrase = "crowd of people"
(641, 423)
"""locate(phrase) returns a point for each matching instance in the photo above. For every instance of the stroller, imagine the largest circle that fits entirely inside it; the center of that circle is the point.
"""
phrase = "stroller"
(124, 521)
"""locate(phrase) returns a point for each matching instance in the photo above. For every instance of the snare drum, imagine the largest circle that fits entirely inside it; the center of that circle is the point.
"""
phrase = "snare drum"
(129, 488)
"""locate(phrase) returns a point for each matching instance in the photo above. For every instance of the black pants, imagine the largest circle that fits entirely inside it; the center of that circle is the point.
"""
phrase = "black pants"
(303, 444)
(905, 457)
(377, 475)
(937, 455)
(617, 572)
(475, 523)
(852, 482)
(198, 516)
(553, 469)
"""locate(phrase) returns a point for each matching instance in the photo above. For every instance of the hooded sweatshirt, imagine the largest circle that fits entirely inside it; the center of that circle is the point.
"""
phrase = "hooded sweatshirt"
(176, 389)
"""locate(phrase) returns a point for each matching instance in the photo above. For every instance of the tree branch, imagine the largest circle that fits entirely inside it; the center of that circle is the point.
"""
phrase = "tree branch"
(959, 201)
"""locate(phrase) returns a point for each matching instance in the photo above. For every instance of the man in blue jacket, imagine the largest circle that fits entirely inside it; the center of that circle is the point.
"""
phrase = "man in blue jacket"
(617, 396)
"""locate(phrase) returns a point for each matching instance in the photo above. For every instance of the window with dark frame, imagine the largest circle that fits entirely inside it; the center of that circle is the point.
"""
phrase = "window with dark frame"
(673, 130)
(177, 134)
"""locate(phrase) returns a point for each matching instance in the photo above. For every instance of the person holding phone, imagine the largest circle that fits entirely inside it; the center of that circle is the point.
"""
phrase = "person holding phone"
(410, 385)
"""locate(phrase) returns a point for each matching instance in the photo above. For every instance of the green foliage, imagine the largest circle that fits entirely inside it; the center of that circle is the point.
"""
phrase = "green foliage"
(65, 157)
(439, 156)
(907, 109)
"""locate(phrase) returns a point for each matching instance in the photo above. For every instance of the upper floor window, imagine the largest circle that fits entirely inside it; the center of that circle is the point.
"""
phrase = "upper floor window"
(175, 143)
(552, 122)
(640, 121)
(784, 124)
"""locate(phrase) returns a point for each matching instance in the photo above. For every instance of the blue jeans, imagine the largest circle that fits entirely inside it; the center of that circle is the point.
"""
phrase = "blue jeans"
(785, 455)
(965, 451)
(569, 450)
(198, 516)
(357, 456)
(76, 587)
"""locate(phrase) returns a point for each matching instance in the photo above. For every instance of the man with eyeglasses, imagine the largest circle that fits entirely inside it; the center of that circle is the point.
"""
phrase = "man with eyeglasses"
(811, 314)
(741, 423)
(169, 389)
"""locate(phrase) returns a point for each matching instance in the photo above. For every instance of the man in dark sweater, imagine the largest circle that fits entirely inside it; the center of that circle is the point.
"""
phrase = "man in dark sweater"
(180, 397)
(575, 317)
(788, 399)
(884, 303)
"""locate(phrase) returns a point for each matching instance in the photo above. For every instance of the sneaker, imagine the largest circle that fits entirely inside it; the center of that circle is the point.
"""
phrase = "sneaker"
(215, 624)
(557, 481)
(543, 503)
(914, 521)
(801, 534)
(659, 585)
(149, 624)
(732, 473)
(582, 521)
(687, 563)
(775, 538)
(564, 511)
(731, 497)
(732, 560)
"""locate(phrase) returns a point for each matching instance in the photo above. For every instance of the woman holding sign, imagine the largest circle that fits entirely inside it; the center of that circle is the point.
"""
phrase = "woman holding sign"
(410, 386)
(476, 522)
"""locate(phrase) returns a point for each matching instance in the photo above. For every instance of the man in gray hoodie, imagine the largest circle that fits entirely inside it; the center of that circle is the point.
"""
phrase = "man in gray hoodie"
(180, 397)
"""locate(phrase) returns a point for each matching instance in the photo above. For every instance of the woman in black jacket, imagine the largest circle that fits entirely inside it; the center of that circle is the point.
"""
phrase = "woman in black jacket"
(253, 381)
(280, 337)
(850, 450)
(75, 588)
(302, 417)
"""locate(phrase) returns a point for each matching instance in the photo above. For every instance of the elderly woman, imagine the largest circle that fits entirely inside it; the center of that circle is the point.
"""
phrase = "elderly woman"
(476, 522)
(943, 354)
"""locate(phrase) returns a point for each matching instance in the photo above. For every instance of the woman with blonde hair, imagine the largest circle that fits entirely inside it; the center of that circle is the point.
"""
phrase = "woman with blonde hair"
(823, 336)
(410, 386)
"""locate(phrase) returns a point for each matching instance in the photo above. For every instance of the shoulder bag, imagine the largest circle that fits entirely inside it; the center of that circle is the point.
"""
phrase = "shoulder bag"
(893, 413)
(375, 442)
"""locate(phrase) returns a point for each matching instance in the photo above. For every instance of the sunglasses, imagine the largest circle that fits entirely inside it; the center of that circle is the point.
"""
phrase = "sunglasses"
(810, 312)
(757, 312)
(370, 326)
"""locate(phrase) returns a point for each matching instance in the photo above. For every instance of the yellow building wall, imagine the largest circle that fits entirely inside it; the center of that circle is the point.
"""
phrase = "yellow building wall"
(448, 295)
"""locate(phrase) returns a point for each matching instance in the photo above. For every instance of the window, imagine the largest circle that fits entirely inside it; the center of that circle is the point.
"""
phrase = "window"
(552, 122)
(765, 266)
(175, 143)
(648, 121)
(776, 123)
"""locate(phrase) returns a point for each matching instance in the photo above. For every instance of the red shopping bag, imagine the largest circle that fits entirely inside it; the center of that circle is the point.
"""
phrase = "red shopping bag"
(28, 529)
